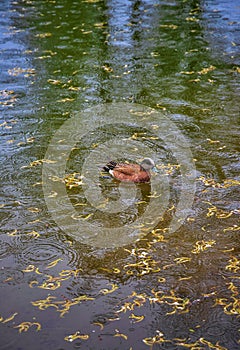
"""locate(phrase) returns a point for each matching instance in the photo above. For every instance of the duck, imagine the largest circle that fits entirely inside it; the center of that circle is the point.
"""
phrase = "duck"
(130, 172)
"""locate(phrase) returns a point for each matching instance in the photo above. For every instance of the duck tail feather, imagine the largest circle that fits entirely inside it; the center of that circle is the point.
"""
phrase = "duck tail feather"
(109, 166)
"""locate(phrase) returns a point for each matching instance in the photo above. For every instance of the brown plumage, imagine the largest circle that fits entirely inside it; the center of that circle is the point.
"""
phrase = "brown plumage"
(130, 172)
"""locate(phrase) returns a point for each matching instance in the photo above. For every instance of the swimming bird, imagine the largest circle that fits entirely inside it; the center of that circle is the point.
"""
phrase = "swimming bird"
(130, 172)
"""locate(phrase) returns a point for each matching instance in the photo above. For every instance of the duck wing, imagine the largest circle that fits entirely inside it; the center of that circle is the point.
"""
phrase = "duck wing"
(127, 169)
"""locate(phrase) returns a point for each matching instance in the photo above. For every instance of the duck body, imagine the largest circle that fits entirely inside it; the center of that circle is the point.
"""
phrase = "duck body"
(130, 172)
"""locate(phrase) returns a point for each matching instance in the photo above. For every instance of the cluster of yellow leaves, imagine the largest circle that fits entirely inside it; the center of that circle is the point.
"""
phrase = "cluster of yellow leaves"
(142, 136)
(213, 183)
(24, 326)
(219, 213)
(48, 54)
(144, 264)
(198, 344)
(28, 140)
(73, 180)
(171, 26)
(17, 71)
(200, 246)
(137, 301)
(177, 304)
(8, 98)
(201, 72)
(232, 228)
(157, 339)
(157, 237)
(43, 35)
(206, 70)
(39, 162)
(63, 85)
(234, 265)
(192, 19)
(61, 306)
(169, 169)
(180, 305)
(231, 306)
(33, 233)
(51, 282)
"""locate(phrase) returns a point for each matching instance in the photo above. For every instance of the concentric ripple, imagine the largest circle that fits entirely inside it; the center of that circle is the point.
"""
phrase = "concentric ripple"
(85, 126)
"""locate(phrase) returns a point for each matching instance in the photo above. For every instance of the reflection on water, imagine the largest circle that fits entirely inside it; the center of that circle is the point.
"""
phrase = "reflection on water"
(165, 290)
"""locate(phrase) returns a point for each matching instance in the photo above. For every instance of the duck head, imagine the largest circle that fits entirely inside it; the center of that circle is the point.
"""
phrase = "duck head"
(147, 164)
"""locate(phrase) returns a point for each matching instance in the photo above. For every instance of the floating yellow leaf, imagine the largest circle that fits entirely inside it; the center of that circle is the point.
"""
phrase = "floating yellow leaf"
(100, 25)
(54, 81)
(121, 335)
(74, 88)
(108, 291)
(33, 233)
(13, 233)
(192, 19)
(53, 263)
(182, 260)
(77, 335)
(187, 72)
(81, 217)
(67, 99)
(107, 69)
(194, 80)
(50, 285)
(10, 318)
(171, 26)
(185, 278)
(34, 210)
(43, 35)
(29, 268)
(136, 318)
(99, 324)
(117, 334)
(32, 283)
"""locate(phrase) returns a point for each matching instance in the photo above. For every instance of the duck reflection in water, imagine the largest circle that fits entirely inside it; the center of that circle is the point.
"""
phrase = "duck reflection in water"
(127, 173)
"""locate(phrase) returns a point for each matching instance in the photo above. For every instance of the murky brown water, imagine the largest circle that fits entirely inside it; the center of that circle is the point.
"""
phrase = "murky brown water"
(163, 289)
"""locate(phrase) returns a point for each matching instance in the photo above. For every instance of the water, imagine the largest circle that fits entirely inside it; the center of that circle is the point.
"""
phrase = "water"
(101, 61)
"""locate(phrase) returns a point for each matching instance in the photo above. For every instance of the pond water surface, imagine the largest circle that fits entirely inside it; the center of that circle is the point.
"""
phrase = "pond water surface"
(129, 79)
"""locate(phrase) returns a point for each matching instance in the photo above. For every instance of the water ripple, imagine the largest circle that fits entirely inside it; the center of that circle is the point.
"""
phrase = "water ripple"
(5, 250)
(10, 276)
